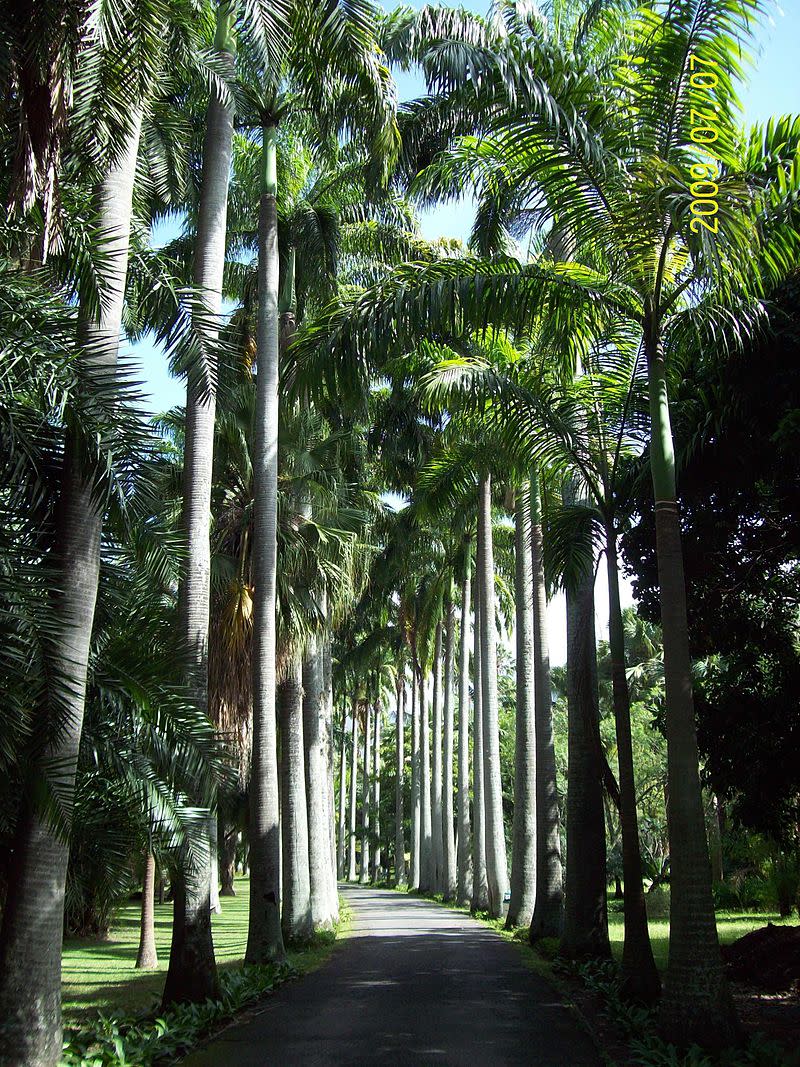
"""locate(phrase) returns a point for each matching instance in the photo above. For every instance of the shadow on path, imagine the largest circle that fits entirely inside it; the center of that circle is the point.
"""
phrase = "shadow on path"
(414, 983)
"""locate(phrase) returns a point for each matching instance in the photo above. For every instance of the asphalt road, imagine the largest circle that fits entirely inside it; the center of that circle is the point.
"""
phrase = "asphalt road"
(414, 983)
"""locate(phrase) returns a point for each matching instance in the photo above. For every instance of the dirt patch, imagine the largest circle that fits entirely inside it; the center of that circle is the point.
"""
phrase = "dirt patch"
(766, 960)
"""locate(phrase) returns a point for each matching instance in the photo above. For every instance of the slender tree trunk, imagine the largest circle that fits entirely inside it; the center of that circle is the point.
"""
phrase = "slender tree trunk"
(296, 920)
(193, 603)
(213, 867)
(437, 843)
(376, 793)
(523, 858)
(464, 879)
(426, 872)
(697, 1003)
(585, 918)
(448, 831)
(315, 727)
(399, 838)
(496, 865)
(227, 835)
(351, 869)
(416, 785)
(147, 957)
(715, 843)
(340, 844)
(366, 796)
(480, 888)
(264, 939)
(33, 916)
(548, 910)
(327, 699)
(639, 972)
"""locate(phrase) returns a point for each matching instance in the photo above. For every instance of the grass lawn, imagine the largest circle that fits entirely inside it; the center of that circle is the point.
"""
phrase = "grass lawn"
(731, 925)
(101, 974)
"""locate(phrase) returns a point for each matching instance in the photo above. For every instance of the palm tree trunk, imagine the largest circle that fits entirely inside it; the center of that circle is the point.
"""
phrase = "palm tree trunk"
(426, 870)
(697, 1004)
(464, 878)
(399, 838)
(296, 919)
(496, 865)
(264, 939)
(585, 917)
(316, 769)
(480, 888)
(327, 700)
(227, 835)
(639, 973)
(351, 868)
(193, 603)
(448, 832)
(416, 785)
(340, 844)
(147, 957)
(548, 910)
(437, 843)
(366, 796)
(523, 838)
(213, 867)
(33, 915)
(376, 793)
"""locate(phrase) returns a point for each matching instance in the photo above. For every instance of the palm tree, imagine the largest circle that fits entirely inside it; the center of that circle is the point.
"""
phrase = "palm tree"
(448, 829)
(192, 966)
(437, 836)
(366, 797)
(341, 841)
(496, 866)
(146, 955)
(464, 839)
(480, 887)
(296, 921)
(548, 910)
(399, 836)
(351, 869)
(523, 856)
(320, 813)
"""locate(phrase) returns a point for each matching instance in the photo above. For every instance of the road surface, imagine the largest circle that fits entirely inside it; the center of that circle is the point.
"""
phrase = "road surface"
(413, 983)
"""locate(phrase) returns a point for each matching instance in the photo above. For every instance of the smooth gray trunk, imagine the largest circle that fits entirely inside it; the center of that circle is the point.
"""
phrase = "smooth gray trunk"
(399, 839)
(448, 828)
(33, 917)
(437, 842)
(585, 917)
(496, 863)
(213, 872)
(192, 945)
(147, 957)
(366, 797)
(315, 737)
(464, 879)
(426, 869)
(376, 794)
(523, 857)
(480, 889)
(351, 867)
(416, 785)
(327, 698)
(340, 844)
(296, 918)
(548, 911)
(264, 939)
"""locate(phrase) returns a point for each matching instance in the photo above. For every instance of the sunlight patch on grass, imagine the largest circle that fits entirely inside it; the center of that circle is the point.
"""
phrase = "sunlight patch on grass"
(100, 975)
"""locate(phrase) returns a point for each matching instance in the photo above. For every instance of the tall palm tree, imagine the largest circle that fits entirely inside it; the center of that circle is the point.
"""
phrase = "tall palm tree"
(351, 867)
(448, 826)
(399, 835)
(463, 887)
(192, 967)
(437, 835)
(523, 855)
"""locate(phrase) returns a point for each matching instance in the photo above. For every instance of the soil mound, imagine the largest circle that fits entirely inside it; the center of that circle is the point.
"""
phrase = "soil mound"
(767, 959)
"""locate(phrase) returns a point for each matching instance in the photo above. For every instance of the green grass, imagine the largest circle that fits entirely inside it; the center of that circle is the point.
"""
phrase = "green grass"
(731, 925)
(101, 974)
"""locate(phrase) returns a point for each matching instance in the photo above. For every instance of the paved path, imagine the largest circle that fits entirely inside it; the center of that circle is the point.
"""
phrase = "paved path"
(414, 983)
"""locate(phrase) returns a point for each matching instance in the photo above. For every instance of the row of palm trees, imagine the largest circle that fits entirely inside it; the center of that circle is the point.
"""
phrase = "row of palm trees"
(475, 377)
